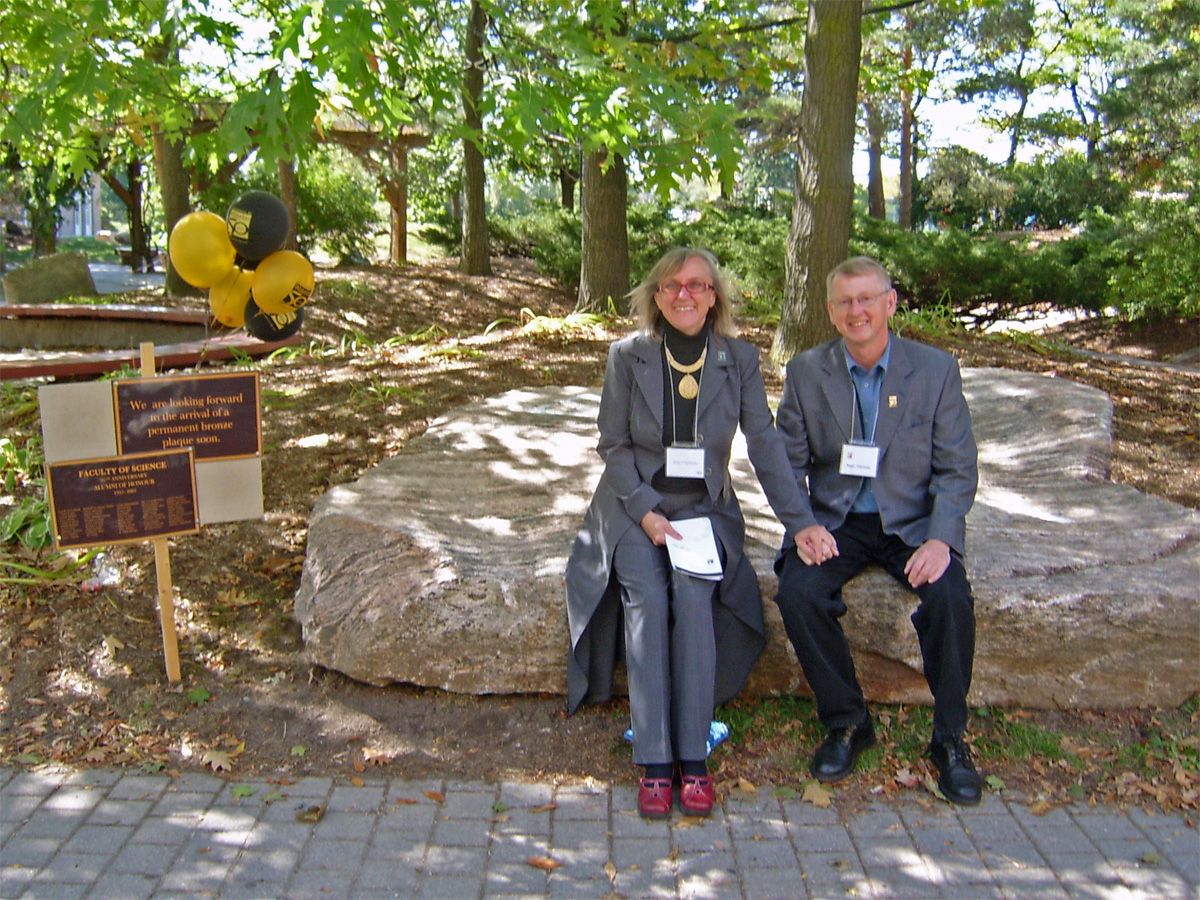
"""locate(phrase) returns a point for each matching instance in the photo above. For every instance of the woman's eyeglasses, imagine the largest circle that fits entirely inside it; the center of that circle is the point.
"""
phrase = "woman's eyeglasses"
(695, 287)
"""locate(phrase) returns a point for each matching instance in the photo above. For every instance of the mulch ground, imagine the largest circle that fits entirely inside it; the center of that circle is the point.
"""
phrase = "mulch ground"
(82, 681)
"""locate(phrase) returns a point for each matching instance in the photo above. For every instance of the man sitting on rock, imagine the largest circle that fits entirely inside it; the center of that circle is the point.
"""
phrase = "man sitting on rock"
(878, 431)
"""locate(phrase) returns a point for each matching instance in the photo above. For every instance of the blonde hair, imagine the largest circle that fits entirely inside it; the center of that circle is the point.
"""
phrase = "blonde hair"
(649, 316)
(857, 265)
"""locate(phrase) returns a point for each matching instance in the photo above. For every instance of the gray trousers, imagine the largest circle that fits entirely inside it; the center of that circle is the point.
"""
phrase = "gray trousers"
(670, 652)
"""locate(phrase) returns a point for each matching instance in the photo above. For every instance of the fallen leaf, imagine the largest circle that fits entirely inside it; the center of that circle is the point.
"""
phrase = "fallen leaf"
(746, 786)
(377, 757)
(310, 814)
(610, 870)
(235, 597)
(298, 750)
(545, 807)
(357, 782)
(544, 863)
(817, 796)
(243, 790)
(435, 796)
(907, 778)
(217, 760)
(406, 801)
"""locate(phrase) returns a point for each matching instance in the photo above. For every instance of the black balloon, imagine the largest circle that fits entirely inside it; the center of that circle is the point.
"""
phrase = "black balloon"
(258, 224)
(272, 327)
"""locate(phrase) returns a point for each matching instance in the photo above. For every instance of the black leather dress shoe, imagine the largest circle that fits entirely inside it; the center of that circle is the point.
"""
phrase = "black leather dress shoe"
(957, 777)
(835, 758)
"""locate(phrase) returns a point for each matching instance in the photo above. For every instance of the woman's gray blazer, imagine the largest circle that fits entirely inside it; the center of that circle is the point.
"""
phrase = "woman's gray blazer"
(631, 444)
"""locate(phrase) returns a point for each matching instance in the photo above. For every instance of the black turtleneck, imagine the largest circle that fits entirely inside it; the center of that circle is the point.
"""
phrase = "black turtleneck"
(679, 414)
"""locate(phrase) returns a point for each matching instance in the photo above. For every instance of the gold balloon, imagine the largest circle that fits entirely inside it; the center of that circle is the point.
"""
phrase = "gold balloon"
(228, 299)
(283, 282)
(200, 249)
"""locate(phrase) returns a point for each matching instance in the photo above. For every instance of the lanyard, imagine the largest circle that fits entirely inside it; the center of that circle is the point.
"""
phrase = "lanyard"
(855, 412)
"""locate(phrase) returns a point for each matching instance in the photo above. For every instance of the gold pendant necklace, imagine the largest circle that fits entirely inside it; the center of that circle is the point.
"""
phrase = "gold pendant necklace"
(688, 387)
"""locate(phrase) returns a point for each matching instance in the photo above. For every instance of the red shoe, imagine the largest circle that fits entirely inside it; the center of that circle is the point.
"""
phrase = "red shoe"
(654, 798)
(697, 795)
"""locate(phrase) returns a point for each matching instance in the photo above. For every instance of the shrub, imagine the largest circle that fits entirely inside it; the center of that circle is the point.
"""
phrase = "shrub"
(1154, 258)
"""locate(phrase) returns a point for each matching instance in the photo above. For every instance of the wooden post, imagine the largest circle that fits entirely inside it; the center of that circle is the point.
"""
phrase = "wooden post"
(162, 565)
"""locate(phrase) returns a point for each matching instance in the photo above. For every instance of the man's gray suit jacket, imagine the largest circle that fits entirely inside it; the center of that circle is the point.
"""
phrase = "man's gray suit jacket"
(927, 472)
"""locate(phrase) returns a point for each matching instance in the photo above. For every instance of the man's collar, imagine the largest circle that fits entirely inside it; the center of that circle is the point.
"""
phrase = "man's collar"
(851, 365)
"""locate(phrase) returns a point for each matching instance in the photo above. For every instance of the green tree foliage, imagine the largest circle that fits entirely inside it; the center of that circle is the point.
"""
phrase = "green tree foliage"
(1059, 191)
(1152, 112)
(335, 213)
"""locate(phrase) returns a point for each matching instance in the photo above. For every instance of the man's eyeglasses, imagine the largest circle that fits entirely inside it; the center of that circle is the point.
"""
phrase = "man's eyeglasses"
(695, 287)
(864, 302)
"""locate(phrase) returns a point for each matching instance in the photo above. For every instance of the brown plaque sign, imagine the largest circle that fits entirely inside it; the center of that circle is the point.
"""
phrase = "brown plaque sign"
(119, 499)
(218, 416)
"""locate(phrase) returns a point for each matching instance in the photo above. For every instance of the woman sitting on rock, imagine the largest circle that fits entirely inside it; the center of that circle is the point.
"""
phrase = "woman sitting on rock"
(674, 395)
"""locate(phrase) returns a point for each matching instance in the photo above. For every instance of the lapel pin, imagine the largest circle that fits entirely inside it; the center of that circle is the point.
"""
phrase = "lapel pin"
(892, 401)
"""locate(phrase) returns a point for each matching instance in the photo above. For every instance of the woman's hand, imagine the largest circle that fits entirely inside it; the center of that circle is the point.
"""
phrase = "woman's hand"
(658, 527)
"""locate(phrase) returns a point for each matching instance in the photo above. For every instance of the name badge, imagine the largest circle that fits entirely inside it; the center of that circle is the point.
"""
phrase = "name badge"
(685, 462)
(861, 460)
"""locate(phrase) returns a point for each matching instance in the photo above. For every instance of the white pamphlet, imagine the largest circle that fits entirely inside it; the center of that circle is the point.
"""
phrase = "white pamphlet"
(695, 551)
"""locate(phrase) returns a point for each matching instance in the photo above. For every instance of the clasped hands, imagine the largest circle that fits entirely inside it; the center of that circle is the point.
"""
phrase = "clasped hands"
(928, 563)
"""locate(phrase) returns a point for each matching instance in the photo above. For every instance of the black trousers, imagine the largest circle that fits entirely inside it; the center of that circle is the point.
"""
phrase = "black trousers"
(810, 602)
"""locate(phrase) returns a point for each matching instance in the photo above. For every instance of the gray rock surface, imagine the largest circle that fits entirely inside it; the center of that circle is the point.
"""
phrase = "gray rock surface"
(50, 278)
(443, 566)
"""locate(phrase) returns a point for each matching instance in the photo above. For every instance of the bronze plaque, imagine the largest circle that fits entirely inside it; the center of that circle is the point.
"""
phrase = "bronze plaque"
(121, 499)
(218, 416)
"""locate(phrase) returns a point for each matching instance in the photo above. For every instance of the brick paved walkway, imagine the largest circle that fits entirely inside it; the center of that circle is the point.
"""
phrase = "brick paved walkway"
(120, 834)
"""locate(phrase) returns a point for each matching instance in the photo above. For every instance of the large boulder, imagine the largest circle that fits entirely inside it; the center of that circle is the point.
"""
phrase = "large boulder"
(443, 566)
(49, 278)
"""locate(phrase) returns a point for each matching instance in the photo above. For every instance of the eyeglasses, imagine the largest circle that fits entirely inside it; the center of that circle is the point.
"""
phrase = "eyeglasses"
(694, 287)
(864, 302)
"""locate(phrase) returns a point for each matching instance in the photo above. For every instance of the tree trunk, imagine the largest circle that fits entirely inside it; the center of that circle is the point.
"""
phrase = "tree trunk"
(131, 197)
(906, 147)
(566, 187)
(824, 196)
(475, 259)
(398, 201)
(174, 187)
(604, 267)
(286, 167)
(876, 201)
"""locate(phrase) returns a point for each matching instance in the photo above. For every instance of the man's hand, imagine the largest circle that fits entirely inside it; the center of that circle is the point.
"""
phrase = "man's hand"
(928, 563)
(815, 545)
(657, 526)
